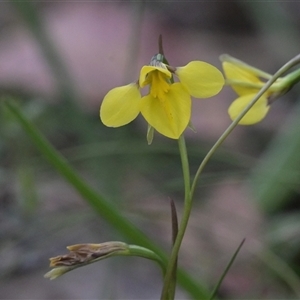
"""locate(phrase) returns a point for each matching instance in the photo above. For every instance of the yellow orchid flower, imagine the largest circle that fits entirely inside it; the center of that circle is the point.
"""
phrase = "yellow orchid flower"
(167, 106)
(246, 81)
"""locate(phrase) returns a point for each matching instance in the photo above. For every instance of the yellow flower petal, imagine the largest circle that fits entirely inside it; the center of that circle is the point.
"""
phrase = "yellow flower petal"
(171, 115)
(201, 79)
(254, 115)
(242, 65)
(120, 105)
(236, 73)
(143, 81)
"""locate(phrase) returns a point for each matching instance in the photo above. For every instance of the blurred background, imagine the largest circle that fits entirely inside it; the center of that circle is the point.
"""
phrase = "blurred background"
(57, 61)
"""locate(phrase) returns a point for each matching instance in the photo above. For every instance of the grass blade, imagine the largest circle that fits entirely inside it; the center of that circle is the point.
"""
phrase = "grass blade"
(226, 270)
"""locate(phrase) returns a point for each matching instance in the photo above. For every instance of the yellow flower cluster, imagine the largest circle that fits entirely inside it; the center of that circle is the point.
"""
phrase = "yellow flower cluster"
(167, 106)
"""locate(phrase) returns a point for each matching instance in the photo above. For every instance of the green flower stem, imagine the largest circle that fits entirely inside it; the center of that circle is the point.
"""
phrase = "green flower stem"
(135, 250)
(185, 168)
(294, 61)
(105, 209)
(189, 192)
(168, 290)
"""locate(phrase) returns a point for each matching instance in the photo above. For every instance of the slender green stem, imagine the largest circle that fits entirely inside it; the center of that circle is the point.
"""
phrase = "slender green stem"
(104, 208)
(189, 192)
(135, 250)
(185, 168)
(167, 290)
(172, 287)
(294, 61)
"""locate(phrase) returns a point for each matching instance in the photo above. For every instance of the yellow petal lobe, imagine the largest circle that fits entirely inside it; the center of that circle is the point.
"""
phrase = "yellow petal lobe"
(120, 105)
(145, 74)
(254, 115)
(170, 115)
(237, 73)
(201, 79)
(242, 65)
